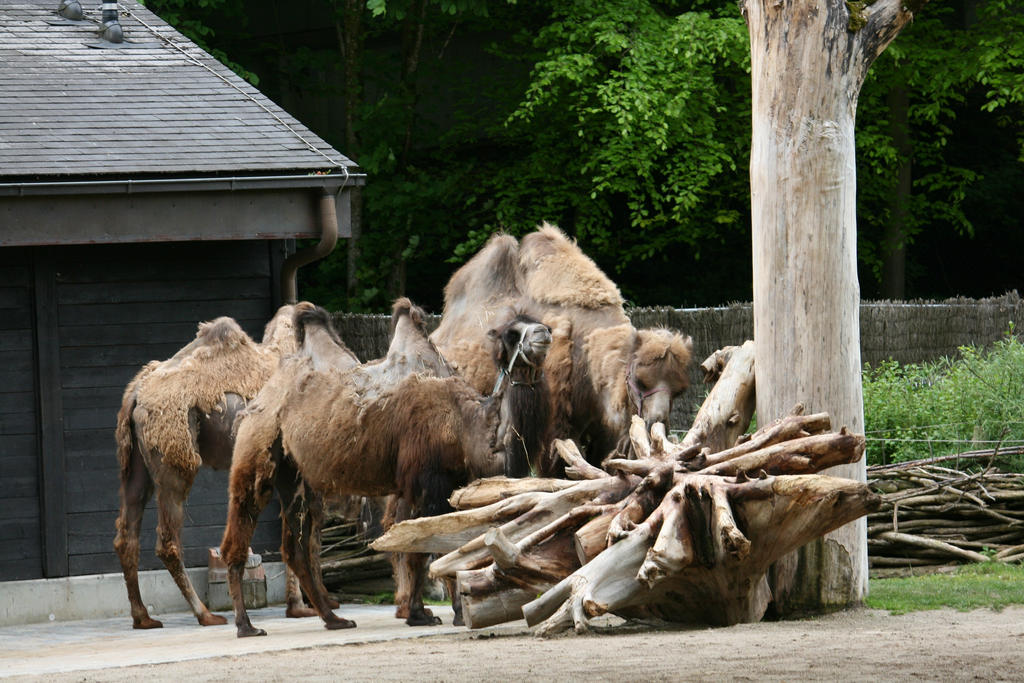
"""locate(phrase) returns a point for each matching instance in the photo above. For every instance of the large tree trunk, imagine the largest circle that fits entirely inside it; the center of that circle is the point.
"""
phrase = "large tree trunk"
(808, 61)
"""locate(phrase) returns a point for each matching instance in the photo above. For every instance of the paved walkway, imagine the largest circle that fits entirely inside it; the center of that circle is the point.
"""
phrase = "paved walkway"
(56, 647)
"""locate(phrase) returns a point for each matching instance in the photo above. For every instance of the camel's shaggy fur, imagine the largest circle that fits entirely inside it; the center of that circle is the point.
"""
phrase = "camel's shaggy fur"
(177, 415)
(314, 433)
(609, 370)
(555, 272)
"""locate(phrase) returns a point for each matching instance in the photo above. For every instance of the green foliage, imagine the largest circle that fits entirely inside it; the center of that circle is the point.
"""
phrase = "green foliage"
(990, 585)
(625, 122)
(958, 74)
(922, 410)
(638, 116)
(192, 19)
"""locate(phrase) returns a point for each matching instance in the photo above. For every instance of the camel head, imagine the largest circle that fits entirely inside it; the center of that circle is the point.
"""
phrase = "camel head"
(658, 372)
(520, 347)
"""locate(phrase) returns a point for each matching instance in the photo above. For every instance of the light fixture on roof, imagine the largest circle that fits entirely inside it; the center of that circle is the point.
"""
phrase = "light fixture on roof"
(71, 10)
(110, 28)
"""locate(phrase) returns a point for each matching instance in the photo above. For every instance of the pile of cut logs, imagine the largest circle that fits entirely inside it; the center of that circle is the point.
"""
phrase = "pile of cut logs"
(350, 568)
(933, 516)
(681, 531)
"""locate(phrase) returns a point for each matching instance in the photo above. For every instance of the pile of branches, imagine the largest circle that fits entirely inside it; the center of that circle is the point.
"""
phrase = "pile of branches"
(681, 531)
(350, 567)
(934, 517)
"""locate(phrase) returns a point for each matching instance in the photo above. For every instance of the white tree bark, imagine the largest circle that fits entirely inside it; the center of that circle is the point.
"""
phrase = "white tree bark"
(807, 67)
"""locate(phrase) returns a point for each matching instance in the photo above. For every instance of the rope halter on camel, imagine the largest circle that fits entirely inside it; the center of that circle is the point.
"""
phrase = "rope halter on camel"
(507, 372)
(633, 390)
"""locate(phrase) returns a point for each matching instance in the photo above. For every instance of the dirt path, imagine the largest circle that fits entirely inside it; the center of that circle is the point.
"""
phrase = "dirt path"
(858, 645)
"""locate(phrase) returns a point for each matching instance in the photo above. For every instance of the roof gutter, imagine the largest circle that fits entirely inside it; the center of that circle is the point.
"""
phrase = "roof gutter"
(329, 182)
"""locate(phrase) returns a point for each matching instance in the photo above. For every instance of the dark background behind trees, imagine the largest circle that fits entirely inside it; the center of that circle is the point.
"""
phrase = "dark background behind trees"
(627, 124)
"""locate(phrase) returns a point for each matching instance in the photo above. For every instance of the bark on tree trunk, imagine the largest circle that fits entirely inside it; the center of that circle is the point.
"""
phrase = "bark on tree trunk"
(808, 61)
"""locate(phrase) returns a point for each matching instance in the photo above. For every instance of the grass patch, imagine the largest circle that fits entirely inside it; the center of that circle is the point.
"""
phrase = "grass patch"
(991, 584)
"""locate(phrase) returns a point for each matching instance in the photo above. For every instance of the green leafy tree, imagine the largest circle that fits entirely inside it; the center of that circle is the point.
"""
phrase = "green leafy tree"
(628, 124)
(634, 131)
(956, 67)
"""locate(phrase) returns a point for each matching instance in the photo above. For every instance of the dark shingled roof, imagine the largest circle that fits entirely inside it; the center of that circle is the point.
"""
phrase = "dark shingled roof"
(157, 106)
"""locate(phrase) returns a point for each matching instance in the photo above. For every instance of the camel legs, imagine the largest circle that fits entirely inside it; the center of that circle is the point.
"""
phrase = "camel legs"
(301, 519)
(249, 491)
(397, 510)
(296, 606)
(136, 490)
(409, 571)
(414, 566)
(170, 496)
(251, 477)
(450, 587)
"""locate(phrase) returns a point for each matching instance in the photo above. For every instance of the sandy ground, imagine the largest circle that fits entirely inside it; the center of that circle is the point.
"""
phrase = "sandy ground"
(858, 645)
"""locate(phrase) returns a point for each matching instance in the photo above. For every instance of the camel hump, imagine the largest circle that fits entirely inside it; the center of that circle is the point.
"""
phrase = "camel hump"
(556, 272)
(490, 274)
(223, 332)
(404, 307)
(306, 318)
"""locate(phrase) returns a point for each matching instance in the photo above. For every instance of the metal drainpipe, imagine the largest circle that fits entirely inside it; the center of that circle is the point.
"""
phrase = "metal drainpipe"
(328, 238)
(110, 29)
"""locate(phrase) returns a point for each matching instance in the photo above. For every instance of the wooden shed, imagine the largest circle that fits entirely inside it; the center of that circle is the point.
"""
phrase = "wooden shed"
(143, 187)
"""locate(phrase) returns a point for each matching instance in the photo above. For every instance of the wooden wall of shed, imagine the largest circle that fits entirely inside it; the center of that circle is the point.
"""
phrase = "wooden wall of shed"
(20, 520)
(102, 311)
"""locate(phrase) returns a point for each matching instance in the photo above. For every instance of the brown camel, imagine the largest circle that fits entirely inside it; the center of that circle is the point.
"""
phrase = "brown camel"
(177, 415)
(611, 370)
(315, 434)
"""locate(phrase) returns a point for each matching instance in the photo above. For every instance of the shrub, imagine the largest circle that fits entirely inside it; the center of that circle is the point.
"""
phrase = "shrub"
(949, 406)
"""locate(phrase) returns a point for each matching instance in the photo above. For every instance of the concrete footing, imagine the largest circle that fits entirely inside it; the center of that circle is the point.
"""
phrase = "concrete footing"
(103, 595)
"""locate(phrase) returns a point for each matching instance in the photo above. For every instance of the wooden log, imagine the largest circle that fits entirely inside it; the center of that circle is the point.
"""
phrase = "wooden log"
(592, 537)
(540, 510)
(489, 599)
(1000, 496)
(609, 579)
(807, 454)
(673, 549)
(793, 426)
(576, 466)
(490, 490)
(726, 412)
(990, 453)
(662, 447)
(495, 594)
(639, 468)
(1008, 552)
(639, 438)
(881, 561)
(644, 499)
(932, 544)
(780, 514)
